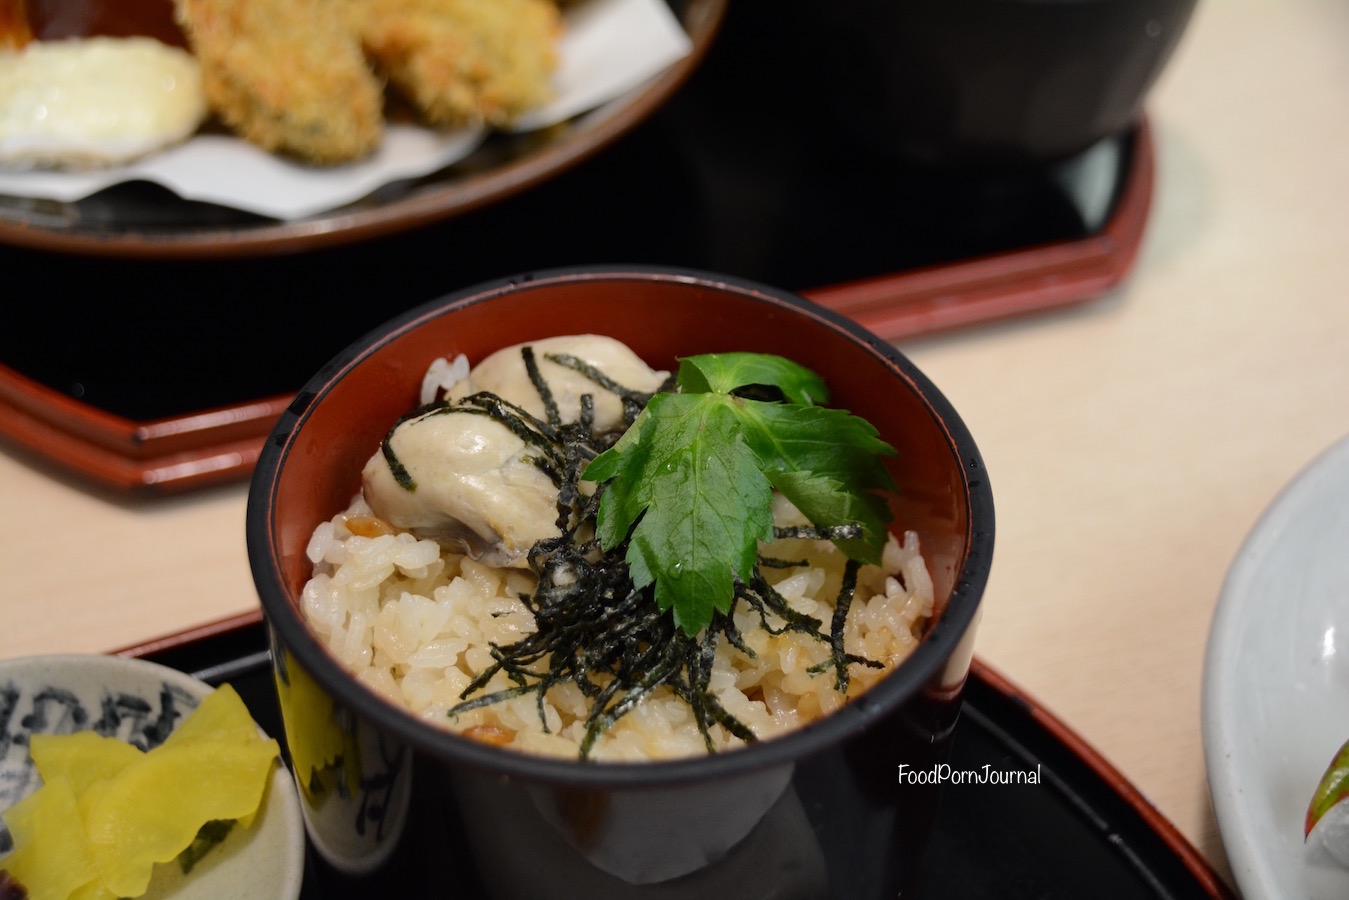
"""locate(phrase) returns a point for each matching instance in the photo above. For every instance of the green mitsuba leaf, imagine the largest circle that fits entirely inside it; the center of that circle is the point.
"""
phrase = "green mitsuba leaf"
(725, 373)
(828, 462)
(693, 489)
(689, 486)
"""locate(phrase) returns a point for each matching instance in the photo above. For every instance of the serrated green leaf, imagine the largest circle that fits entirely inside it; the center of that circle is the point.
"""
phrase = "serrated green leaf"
(828, 504)
(692, 494)
(828, 463)
(690, 484)
(725, 373)
(626, 497)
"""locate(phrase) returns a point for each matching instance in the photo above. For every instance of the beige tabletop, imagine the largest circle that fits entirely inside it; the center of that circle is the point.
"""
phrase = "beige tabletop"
(1132, 440)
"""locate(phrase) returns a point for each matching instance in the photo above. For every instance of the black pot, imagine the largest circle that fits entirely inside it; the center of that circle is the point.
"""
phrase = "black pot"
(989, 83)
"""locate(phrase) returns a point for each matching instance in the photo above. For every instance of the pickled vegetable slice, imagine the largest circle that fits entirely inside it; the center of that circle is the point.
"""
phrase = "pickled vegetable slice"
(84, 757)
(51, 859)
(107, 812)
(187, 784)
(222, 714)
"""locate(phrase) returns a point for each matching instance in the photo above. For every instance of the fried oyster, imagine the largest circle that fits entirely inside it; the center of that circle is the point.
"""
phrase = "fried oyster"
(288, 75)
(307, 77)
(464, 62)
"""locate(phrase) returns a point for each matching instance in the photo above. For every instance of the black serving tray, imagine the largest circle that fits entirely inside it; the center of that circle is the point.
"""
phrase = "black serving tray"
(156, 374)
(1083, 830)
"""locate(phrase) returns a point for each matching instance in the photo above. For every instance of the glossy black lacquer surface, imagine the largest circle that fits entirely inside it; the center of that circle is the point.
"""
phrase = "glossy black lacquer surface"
(1072, 835)
(748, 170)
(994, 83)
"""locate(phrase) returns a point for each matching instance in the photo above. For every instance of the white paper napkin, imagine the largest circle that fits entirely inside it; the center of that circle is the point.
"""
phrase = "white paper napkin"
(608, 48)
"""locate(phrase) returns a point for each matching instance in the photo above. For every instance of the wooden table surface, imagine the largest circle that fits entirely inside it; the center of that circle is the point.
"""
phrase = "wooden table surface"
(1132, 441)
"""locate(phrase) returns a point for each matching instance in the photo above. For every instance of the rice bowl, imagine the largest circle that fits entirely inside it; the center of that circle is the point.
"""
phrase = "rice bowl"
(600, 814)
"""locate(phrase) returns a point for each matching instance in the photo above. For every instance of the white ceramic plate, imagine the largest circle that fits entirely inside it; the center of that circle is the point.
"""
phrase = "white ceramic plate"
(1276, 685)
(140, 701)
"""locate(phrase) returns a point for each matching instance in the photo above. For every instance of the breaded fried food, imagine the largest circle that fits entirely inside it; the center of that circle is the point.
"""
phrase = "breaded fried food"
(288, 75)
(464, 62)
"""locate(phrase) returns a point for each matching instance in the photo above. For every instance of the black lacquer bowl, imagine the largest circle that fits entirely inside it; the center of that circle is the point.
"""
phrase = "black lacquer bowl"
(996, 84)
(417, 811)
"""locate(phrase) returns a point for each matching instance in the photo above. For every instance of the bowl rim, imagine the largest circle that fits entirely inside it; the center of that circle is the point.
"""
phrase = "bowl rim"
(907, 680)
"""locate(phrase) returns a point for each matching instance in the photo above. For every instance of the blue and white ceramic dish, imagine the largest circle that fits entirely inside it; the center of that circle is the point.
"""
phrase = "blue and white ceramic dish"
(141, 703)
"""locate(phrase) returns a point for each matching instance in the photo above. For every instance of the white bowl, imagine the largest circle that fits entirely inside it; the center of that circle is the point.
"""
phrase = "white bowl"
(1276, 685)
(141, 702)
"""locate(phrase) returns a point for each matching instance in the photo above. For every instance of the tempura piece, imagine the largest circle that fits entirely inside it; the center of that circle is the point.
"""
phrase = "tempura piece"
(464, 62)
(288, 75)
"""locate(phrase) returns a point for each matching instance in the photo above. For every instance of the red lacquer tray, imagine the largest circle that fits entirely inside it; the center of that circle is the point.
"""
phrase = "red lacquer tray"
(221, 443)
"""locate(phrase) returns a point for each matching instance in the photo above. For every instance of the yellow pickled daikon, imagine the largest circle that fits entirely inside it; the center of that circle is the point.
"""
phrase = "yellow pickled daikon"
(51, 858)
(107, 812)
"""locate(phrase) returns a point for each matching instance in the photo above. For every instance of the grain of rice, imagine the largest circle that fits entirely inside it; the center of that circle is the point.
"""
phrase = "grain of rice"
(415, 622)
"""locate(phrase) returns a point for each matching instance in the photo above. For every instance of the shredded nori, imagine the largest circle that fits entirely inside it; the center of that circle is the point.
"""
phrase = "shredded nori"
(208, 837)
(594, 627)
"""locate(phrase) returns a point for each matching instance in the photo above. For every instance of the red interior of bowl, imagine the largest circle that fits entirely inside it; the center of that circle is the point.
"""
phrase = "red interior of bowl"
(661, 318)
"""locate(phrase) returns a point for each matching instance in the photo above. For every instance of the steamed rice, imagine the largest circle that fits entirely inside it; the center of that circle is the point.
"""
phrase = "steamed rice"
(415, 622)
